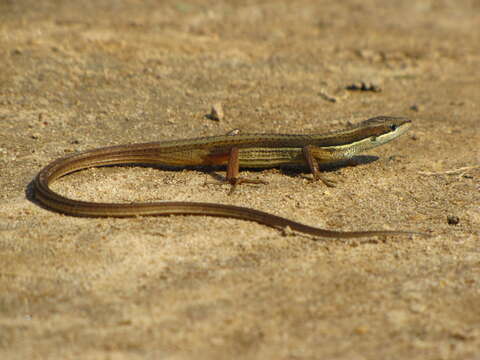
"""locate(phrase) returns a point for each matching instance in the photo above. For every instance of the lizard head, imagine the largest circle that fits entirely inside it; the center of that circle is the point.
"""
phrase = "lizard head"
(382, 129)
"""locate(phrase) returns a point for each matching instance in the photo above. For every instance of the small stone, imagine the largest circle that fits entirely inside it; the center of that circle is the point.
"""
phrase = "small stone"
(233, 132)
(327, 97)
(287, 231)
(416, 107)
(364, 86)
(217, 112)
(453, 220)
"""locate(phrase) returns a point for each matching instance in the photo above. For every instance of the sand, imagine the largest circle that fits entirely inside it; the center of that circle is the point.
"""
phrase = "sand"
(81, 75)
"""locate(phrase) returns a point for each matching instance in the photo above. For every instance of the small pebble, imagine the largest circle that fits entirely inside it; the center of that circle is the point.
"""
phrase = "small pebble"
(233, 132)
(217, 112)
(364, 86)
(416, 107)
(453, 220)
(327, 97)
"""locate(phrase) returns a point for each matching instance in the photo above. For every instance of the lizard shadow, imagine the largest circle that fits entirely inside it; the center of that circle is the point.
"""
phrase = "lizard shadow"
(330, 167)
(30, 194)
(290, 171)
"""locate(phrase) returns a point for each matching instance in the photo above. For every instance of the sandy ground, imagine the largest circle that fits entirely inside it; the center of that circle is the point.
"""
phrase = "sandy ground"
(85, 74)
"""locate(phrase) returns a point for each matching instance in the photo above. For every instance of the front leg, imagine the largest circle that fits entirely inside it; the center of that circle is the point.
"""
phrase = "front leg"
(233, 170)
(313, 165)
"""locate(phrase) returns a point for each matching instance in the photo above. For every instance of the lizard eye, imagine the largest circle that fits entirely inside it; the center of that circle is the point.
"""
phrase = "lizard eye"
(393, 127)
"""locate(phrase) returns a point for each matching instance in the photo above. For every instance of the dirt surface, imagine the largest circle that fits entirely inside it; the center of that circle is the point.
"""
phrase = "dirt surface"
(86, 74)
